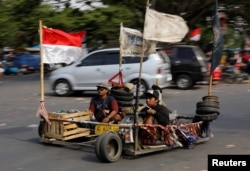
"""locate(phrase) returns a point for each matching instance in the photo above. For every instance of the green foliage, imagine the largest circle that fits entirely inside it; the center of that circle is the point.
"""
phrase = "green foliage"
(19, 19)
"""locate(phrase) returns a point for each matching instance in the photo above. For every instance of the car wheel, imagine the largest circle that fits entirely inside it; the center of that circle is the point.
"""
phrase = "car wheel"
(111, 147)
(143, 88)
(184, 82)
(62, 88)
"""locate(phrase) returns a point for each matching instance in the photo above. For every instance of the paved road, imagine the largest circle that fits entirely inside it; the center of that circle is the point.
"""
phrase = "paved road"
(21, 150)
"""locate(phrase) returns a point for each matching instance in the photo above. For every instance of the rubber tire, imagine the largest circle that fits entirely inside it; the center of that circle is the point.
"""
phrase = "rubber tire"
(125, 103)
(121, 92)
(209, 117)
(98, 143)
(214, 104)
(41, 128)
(207, 110)
(62, 88)
(188, 82)
(210, 98)
(124, 98)
(111, 147)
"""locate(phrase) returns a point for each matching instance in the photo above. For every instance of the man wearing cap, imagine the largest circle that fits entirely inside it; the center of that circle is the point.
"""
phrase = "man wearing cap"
(154, 111)
(104, 107)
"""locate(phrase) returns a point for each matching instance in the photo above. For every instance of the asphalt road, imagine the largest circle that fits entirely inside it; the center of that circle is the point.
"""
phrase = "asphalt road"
(21, 149)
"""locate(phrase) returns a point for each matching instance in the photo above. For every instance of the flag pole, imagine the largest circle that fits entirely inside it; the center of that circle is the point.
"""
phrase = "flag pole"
(210, 85)
(41, 63)
(120, 62)
(137, 93)
(41, 109)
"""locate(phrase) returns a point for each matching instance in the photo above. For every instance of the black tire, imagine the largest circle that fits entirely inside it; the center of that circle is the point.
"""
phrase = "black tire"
(143, 88)
(41, 129)
(124, 98)
(210, 98)
(121, 92)
(184, 82)
(98, 143)
(111, 147)
(62, 88)
(125, 103)
(214, 104)
(207, 110)
(209, 117)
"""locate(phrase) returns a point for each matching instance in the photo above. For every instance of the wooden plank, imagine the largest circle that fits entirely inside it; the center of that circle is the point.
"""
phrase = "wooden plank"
(83, 134)
(70, 126)
(74, 131)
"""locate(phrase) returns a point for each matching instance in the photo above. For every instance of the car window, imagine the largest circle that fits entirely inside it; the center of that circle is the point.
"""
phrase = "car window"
(164, 57)
(101, 58)
(94, 59)
(131, 60)
(185, 53)
(111, 58)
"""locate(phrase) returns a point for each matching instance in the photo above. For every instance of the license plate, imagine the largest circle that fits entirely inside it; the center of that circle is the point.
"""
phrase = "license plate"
(100, 128)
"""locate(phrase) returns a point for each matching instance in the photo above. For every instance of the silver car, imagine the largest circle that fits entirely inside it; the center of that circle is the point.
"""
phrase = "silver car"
(99, 66)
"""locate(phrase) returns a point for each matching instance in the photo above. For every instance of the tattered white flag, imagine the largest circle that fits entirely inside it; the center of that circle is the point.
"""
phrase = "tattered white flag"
(164, 27)
(131, 43)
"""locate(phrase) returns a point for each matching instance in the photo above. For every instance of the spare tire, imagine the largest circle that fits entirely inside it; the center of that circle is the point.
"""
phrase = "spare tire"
(207, 110)
(209, 117)
(214, 104)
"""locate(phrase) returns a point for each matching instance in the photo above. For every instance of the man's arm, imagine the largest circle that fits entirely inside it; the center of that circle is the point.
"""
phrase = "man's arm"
(114, 109)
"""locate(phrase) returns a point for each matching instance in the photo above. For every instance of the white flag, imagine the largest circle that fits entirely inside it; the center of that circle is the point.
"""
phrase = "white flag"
(131, 43)
(164, 27)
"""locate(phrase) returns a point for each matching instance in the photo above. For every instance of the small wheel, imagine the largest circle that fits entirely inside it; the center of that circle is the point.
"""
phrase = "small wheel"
(62, 88)
(184, 82)
(111, 147)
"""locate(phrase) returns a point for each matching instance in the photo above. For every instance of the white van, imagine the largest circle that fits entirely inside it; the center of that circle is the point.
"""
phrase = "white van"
(99, 66)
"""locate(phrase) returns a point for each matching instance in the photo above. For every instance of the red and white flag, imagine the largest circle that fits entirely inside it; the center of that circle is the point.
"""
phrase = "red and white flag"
(195, 34)
(42, 111)
(61, 47)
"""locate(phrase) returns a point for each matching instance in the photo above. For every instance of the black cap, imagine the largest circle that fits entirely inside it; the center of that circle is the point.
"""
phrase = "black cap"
(152, 93)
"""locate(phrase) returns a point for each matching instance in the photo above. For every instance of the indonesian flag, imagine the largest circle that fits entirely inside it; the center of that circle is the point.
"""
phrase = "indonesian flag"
(195, 34)
(61, 47)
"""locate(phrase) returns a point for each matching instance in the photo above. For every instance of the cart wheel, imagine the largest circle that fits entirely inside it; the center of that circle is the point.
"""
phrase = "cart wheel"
(41, 129)
(111, 147)
(98, 147)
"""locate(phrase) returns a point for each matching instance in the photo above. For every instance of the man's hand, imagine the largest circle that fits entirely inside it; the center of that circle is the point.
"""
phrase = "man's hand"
(105, 120)
(151, 111)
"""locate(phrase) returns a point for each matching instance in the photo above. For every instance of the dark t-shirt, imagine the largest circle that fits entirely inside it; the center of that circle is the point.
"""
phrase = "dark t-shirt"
(109, 104)
(161, 115)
